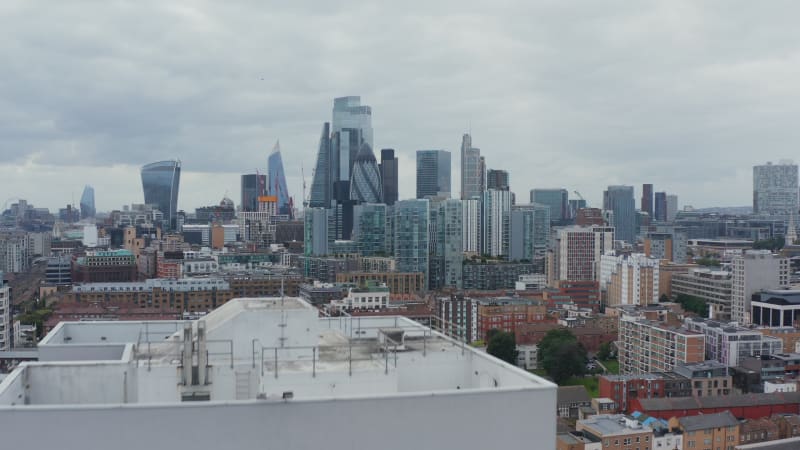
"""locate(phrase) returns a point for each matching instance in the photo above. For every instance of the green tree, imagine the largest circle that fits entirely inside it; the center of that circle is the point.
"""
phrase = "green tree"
(694, 304)
(502, 345)
(561, 355)
(663, 298)
(774, 244)
(605, 351)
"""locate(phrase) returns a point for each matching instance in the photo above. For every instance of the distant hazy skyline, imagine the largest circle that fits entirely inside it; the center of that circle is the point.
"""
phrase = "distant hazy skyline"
(685, 95)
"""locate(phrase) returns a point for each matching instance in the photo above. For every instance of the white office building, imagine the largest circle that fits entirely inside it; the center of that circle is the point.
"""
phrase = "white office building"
(577, 251)
(270, 373)
(754, 271)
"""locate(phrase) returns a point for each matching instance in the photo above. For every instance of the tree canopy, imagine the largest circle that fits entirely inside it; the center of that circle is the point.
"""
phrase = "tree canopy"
(694, 304)
(773, 244)
(502, 345)
(561, 355)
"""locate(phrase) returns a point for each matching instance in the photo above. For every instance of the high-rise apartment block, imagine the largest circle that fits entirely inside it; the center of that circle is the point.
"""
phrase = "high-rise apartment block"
(473, 170)
(660, 207)
(753, 271)
(629, 279)
(317, 231)
(411, 218)
(775, 189)
(647, 199)
(672, 207)
(577, 252)
(619, 199)
(389, 176)
(369, 229)
(495, 218)
(471, 225)
(449, 242)
(530, 232)
(648, 346)
(5, 315)
(556, 199)
(433, 173)
(666, 243)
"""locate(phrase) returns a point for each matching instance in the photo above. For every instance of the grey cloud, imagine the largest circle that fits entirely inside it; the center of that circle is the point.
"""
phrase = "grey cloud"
(683, 94)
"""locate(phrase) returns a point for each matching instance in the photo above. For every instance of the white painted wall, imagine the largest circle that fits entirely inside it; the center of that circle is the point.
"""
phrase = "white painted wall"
(466, 420)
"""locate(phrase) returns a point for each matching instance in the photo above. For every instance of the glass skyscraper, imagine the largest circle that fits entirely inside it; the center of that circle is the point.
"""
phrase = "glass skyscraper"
(352, 121)
(253, 186)
(322, 183)
(450, 241)
(433, 173)
(87, 203)
(160, 182)
(369, 229)
(620, 200)
(411, 236)
(495, 217)
(556, 199)
(365, 184)
(277, 181)
(389, 177)
(472, 170)
(530, 232)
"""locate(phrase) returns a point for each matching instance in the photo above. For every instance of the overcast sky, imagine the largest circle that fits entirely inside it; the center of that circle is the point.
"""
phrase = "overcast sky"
(687, 95)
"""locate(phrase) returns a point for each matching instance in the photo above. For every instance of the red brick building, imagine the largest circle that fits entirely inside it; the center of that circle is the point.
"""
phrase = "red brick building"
(584, 294)
(591, 337)
(747, 406)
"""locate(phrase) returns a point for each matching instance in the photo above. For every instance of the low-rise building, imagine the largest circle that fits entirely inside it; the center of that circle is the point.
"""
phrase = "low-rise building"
(371, 296)
(571, 399)
(728, 343)
(720, 430)
(104, 266)
(493, 275)
(528, 357)
(713, 286)
(616, 431)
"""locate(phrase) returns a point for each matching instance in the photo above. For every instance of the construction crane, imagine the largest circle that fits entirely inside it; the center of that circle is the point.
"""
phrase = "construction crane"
(581, 197)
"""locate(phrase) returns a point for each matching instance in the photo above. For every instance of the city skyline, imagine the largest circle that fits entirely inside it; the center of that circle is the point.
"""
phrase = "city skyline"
(640, 119)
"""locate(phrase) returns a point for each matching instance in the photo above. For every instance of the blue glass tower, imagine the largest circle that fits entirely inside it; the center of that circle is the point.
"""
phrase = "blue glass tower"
(87, 203)
(277, 181)
(160, 182)
(365, 183)
(411, 236)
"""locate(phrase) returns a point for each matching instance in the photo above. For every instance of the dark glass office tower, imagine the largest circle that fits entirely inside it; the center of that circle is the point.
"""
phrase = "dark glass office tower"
(647, 199)
(253, 186)
(433, 173)
(389, 178)
(497, 179)
(160, 182)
